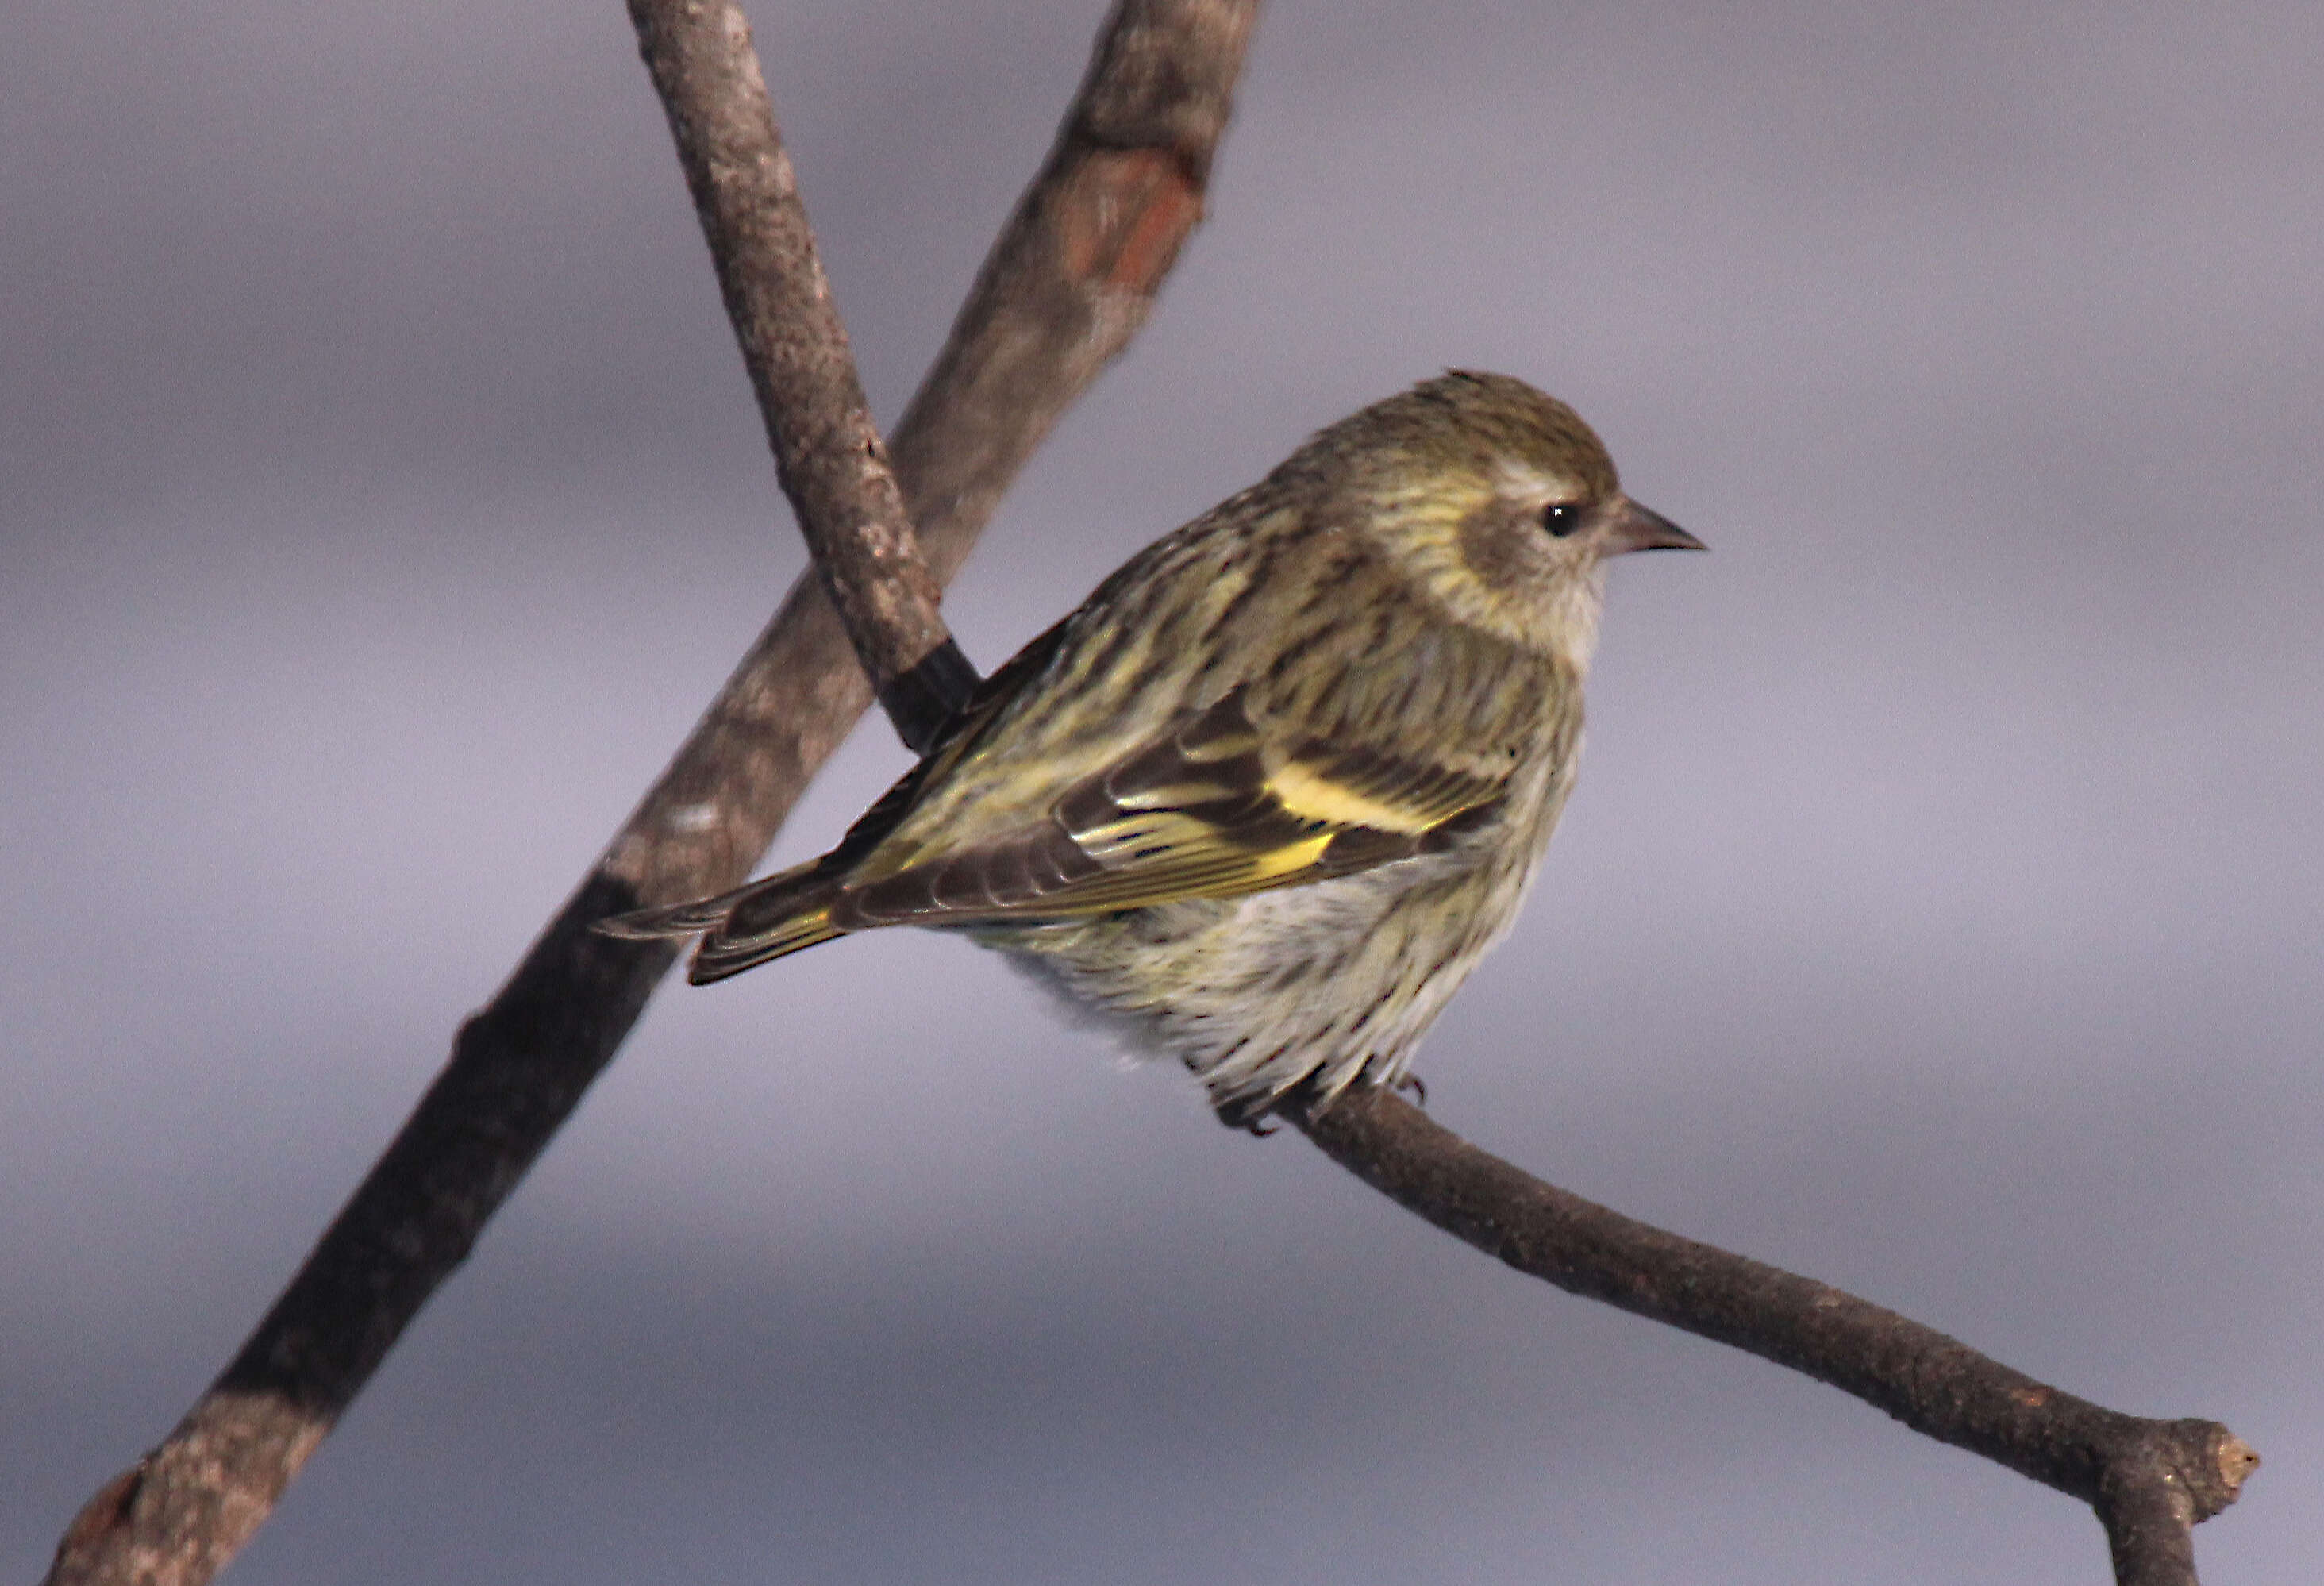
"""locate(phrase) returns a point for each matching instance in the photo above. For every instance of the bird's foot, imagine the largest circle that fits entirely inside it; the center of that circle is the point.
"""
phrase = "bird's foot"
(1255, 1116)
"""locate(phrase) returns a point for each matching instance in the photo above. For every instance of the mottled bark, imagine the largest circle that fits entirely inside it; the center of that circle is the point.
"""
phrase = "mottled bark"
(828, 456)
(1065, 288)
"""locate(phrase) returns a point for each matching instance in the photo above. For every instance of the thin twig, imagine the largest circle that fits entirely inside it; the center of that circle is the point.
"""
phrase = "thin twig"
(828, 456)
(1064, 289)
(2150, 1481)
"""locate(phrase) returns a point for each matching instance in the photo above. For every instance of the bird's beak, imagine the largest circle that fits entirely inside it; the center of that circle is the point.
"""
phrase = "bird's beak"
(1630, 527)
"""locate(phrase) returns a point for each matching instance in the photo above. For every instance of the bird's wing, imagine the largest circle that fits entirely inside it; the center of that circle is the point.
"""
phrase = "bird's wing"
(1208, 808)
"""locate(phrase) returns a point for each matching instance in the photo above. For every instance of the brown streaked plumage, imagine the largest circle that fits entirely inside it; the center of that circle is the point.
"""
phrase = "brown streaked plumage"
(1265, 798)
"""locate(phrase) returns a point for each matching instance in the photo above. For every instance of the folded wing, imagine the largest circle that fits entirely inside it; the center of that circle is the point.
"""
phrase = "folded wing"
(1207, 810)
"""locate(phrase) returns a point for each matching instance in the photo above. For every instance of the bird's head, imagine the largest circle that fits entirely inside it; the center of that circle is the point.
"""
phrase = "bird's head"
(1498, 503)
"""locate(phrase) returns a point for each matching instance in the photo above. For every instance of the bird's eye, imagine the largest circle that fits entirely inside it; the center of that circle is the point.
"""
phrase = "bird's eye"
(1560, 518)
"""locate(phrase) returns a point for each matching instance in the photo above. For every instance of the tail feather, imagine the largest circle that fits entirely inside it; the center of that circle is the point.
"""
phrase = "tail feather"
(781, 914)
(740, 929)
(677, 920)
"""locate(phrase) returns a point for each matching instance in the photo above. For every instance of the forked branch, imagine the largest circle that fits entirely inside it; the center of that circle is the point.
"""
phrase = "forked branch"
(1061, 291)
(1064, 289)
(2149, 1481)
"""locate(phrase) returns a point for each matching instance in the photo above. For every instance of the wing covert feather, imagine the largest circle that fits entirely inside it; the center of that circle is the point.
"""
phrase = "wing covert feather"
(1209, 810)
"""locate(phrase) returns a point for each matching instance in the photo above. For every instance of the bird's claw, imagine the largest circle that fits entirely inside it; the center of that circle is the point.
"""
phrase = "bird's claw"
(1254, 1117)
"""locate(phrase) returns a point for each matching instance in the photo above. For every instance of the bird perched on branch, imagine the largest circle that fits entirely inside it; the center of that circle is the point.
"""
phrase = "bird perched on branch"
(1266, 799)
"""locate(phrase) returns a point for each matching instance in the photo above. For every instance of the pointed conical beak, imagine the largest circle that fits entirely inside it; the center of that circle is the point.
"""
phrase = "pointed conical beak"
(1630, 527)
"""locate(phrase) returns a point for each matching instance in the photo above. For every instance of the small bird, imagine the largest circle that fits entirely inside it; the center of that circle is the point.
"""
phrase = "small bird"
(1264, 799)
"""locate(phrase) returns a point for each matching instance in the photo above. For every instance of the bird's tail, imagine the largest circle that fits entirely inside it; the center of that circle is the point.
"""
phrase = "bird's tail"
(768, 917)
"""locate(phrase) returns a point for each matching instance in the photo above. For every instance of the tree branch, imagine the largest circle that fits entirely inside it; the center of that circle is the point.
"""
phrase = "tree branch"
(1100, 226)
(1064, 289)
(2149, 1481)
(828, 456)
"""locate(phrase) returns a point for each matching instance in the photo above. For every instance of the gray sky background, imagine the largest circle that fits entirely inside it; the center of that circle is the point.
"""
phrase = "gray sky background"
(1939, 913)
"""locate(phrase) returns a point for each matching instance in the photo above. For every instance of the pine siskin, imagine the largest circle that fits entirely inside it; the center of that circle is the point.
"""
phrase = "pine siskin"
(1266, 799)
